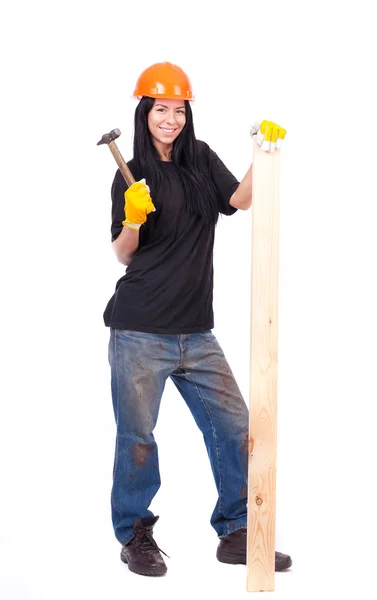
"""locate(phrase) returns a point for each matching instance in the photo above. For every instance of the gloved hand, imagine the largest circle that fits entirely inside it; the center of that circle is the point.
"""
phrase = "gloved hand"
(269, 135)
(138, 205)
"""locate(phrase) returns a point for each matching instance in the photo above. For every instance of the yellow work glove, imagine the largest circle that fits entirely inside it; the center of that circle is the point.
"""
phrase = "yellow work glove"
(138, 205)
(269, 135)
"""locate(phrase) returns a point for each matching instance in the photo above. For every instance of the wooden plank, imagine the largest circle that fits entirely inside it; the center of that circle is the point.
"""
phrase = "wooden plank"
(263, 371)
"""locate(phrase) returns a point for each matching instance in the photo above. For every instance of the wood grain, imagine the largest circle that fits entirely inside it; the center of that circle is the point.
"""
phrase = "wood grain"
(263, 371)
(123, 167)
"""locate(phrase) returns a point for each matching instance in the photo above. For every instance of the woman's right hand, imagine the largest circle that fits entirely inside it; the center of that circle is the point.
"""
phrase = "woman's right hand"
(138, 205)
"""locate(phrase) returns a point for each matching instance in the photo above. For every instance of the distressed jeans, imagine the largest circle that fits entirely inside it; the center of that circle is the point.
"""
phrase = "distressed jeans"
(140, 365)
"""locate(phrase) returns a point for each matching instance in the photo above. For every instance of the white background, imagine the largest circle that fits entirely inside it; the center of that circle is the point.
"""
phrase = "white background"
(68, 73)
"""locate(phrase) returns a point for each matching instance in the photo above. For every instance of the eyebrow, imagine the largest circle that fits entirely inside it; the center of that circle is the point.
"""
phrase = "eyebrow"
(164, 105)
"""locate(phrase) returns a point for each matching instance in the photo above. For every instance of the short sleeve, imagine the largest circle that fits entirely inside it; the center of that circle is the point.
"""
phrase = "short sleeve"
(118, 188)
(225, 183)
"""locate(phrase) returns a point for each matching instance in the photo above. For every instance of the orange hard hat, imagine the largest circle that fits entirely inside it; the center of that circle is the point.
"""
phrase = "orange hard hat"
(164, 80)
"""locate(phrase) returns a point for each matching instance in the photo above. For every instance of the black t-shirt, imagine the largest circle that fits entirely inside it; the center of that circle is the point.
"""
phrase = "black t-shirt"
(168, 285)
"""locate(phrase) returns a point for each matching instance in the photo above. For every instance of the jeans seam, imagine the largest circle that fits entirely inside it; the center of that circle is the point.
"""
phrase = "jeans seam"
(216, 446)
(230, 530)
(181, 351)
(117, 419)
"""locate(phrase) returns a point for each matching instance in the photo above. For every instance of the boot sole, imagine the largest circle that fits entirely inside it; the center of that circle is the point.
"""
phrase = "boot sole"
(231, 559)
(153, 573)
(234, 559)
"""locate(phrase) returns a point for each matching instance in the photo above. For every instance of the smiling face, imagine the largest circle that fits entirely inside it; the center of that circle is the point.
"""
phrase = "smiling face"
(166, 119)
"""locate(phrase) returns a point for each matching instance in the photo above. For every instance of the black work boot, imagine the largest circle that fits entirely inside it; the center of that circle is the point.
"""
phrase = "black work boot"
(142, 553)
(232, 550)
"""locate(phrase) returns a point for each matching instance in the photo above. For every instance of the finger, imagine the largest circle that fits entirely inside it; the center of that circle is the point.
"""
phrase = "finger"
(281, 136)
(263, 129)
(274, 136)
(145, 183)
(137, 186)
(266, 130)
(274, 132)
(142, 194)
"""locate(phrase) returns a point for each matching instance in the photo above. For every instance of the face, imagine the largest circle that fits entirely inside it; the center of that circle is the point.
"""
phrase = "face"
(166, 120)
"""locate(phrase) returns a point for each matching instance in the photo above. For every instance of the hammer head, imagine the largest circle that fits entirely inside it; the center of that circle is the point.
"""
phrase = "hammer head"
(109, 137)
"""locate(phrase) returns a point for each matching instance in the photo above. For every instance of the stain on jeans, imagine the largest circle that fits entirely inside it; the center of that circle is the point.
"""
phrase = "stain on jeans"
(140, 453)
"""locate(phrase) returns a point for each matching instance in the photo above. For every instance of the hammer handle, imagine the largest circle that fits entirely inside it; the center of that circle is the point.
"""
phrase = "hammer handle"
(121, 163)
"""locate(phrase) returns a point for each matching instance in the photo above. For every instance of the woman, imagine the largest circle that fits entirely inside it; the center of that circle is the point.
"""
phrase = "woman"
(161, 316)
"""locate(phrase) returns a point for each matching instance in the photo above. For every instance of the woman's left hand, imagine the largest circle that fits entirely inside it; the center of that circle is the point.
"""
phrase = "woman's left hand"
(269, 135)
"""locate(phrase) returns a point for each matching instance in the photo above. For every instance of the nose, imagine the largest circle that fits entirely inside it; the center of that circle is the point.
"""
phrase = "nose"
(170, 118)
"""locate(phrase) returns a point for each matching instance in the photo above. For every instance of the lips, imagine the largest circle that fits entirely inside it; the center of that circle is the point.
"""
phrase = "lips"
(167, 131)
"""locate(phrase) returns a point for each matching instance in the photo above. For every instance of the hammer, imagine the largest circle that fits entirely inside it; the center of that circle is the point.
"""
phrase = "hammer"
(109, 139)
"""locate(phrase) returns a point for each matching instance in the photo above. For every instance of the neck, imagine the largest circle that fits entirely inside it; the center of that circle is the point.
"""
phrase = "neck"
(164, 151)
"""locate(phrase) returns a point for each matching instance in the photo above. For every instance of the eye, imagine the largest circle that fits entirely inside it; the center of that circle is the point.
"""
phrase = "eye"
(160, 109)
(181, 111)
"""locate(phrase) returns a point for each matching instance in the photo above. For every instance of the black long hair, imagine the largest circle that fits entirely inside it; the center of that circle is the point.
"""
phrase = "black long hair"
(190, 156)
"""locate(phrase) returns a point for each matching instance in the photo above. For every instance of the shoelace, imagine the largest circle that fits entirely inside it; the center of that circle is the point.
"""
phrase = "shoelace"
(147, 544)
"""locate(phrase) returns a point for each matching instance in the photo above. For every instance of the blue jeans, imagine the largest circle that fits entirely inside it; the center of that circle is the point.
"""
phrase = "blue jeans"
(140, 365)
